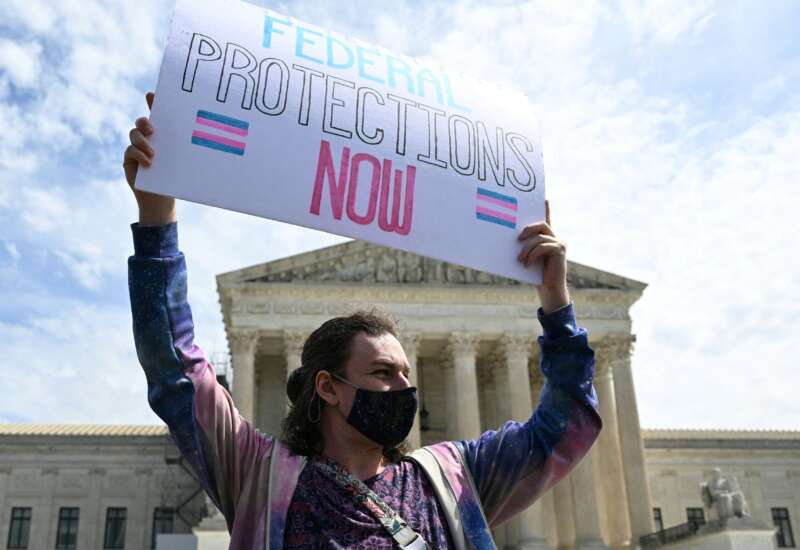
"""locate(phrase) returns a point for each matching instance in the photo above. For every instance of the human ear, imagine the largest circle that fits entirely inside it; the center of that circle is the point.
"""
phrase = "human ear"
(324, 386)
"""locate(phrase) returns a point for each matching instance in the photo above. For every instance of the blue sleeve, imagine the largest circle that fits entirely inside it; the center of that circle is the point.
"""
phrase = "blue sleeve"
(182, 388)
(513, 466)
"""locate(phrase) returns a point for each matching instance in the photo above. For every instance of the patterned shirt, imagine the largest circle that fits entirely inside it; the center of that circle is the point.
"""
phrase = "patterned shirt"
(324, 515)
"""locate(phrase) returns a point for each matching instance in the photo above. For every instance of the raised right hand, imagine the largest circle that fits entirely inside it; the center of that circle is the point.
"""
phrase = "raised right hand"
(153, 209)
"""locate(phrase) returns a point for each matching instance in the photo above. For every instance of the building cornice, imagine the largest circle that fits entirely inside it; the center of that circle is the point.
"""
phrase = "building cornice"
(721, 439)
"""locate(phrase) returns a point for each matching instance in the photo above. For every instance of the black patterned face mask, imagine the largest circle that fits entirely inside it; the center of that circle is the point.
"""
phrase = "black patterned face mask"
(385, 417)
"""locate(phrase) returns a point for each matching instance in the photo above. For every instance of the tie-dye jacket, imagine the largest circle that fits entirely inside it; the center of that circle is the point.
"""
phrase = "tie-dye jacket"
(251, 477)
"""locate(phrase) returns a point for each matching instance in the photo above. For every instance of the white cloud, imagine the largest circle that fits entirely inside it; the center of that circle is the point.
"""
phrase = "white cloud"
(664, 21)
(9, 259)
(85, 226)
(724, 287)
(21, 62)
(76, 365)
(635, 184)
(85, 59)
(36, 15)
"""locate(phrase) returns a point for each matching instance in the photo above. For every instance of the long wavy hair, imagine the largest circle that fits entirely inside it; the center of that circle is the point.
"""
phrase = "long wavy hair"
(327, 348)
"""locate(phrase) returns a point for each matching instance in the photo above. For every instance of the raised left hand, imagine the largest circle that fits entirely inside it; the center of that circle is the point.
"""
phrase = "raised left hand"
(540, 242)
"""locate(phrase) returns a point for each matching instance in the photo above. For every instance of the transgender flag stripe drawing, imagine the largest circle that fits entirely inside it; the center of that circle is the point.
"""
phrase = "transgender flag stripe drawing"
(220, 132)
(496, 208)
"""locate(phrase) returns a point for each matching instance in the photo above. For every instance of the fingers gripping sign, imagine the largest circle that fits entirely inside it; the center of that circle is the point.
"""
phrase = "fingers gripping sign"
(153, 209)
(139, 151)
(539, 243)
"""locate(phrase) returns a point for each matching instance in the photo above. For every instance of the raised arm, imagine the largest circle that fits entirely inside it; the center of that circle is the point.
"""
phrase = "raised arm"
(224, 451)
(513, 466)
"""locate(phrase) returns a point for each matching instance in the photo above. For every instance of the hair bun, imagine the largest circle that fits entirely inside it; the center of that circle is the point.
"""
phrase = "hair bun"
(294, 384)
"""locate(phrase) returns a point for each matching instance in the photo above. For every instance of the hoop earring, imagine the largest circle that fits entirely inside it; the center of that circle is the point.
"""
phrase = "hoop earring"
(319, 409)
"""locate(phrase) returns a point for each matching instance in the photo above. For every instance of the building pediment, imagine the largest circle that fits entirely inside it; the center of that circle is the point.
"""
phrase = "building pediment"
(362, 262)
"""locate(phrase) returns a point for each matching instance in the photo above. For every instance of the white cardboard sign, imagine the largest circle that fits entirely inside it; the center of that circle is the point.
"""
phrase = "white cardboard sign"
(264, 114)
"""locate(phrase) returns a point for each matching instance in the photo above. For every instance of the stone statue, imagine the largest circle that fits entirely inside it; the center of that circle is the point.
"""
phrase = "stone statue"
(723, 496)
(410, 268)
(386, 271)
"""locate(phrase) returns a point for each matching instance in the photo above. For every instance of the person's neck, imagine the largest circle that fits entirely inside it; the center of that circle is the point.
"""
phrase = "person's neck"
(347, 447)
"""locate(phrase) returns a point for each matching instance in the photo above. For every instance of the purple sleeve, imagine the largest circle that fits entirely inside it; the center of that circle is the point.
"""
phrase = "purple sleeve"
(182, 389)
(513, 466)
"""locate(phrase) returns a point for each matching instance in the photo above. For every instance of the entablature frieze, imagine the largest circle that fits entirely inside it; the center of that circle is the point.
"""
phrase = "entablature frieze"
(337, 299)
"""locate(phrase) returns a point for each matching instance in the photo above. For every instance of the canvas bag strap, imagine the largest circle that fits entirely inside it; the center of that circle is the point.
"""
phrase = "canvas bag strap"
(396, 526)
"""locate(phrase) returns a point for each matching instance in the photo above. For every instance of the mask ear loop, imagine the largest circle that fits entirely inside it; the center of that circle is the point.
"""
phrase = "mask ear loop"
(314, 399)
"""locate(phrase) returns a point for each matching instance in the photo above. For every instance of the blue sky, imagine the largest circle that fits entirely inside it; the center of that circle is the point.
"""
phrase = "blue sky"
(671, 132)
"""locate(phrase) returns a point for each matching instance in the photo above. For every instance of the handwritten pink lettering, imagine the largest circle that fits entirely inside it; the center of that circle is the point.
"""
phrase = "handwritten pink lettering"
(385, 196)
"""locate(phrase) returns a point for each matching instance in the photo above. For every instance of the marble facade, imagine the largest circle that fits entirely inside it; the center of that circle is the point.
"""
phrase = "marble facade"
(93, 468)
(471, 340)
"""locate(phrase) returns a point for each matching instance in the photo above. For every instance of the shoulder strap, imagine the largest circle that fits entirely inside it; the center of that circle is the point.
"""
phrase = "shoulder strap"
(396, 526)
(456, 491)
(444, 493)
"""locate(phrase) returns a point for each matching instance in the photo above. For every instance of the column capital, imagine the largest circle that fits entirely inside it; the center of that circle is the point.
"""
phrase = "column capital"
(514, 343)
(242, 341)
(293, 340)
(615, 347)
(602, 371)
(462, 343)
(410, 341)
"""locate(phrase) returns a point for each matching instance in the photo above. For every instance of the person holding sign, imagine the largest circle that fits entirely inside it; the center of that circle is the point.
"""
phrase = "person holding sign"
(338, 476)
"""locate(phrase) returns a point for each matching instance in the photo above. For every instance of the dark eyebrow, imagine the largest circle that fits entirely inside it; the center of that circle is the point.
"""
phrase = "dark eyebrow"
(391, 365)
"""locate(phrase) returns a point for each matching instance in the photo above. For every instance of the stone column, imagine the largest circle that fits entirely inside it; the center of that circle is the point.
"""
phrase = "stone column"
(793, 479)
(507, 533)
(756, 503)
(242, 345)
(585, 504)
(546, 502)
(139, 514)
(293, 341)
(410, 342)
(5, 488)
(94, 511)
(637, 490)
(45, 516)
(515, 349)
(565, 516)
(614, 498)
(671, 511)
(462, 348)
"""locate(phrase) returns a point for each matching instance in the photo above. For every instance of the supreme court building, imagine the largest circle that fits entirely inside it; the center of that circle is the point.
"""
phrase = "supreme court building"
(470, 338)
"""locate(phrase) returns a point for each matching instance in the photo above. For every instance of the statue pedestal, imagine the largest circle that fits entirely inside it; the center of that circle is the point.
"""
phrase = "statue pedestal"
(534, 543)
(211, 534)
(208, 540)
(591, 543)
(176, 542)
(736, 533)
